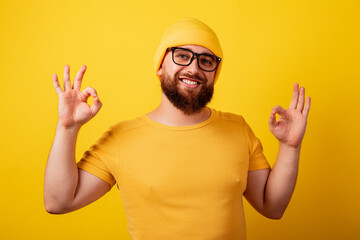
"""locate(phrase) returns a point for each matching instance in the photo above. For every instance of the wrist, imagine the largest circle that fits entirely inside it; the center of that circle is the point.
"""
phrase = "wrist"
(287, 147)
(70, 129)
(288, 155)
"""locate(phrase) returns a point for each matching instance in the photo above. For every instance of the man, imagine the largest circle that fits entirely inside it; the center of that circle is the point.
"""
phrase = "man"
(183, 168)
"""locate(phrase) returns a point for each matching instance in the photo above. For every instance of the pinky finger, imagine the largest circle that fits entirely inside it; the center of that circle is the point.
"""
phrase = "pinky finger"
(56, 83)
(307, 106)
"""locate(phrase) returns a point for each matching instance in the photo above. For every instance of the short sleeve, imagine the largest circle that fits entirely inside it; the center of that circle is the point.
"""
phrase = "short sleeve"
(101, 158)
(257, 158)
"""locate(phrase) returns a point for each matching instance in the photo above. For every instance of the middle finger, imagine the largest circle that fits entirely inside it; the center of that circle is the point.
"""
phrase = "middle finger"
(67, 84)
(295, 96)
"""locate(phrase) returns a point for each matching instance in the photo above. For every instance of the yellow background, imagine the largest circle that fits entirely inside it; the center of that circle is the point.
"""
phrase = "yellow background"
(268, 45)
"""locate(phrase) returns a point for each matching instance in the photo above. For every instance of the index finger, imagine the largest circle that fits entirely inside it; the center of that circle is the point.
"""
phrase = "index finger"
(79, 77)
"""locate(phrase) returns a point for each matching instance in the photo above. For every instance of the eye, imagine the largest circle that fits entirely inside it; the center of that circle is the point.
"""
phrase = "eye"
(182, 56)
(206, 61)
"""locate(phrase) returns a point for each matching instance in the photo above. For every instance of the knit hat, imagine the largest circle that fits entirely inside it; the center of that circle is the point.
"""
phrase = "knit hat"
(188, 31)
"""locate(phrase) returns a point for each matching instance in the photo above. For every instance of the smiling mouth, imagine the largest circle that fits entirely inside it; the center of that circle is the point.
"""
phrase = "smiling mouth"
(190, 82)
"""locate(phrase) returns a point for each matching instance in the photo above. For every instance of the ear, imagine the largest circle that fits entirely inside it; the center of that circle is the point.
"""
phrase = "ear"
(159, 72)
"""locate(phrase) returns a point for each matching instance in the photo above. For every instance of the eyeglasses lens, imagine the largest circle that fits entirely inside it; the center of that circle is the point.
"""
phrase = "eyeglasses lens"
(206, 62)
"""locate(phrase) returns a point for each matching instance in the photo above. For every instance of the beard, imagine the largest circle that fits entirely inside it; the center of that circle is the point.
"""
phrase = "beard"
(189, 101)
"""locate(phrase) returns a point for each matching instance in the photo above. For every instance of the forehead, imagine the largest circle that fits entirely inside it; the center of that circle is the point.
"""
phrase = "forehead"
(197, 49)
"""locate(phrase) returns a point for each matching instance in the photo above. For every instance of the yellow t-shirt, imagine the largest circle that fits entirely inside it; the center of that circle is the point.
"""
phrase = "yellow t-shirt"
(179, 182)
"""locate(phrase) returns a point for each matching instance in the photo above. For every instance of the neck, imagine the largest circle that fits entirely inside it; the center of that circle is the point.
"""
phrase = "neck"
(166, 113)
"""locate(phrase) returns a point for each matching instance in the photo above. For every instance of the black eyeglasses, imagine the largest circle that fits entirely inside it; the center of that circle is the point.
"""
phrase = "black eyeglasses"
(184, 57)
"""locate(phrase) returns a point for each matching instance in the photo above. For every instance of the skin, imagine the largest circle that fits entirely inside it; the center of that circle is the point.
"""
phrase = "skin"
(166, 113)
(67, 188)
(269, 191)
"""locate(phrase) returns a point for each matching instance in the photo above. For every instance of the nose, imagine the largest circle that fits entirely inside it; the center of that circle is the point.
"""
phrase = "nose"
(193, 67)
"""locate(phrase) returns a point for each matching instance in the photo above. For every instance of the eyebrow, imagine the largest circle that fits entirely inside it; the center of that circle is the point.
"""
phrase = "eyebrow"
(199, 53)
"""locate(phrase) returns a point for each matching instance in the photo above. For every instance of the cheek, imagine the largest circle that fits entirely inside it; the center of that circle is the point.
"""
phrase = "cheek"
(169, 67)
(210, 76)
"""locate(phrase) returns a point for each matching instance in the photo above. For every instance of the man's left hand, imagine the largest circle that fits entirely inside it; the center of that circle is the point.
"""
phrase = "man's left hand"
(290, 127)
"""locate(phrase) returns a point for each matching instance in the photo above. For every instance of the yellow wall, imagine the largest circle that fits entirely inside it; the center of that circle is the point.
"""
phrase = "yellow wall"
(268, 45)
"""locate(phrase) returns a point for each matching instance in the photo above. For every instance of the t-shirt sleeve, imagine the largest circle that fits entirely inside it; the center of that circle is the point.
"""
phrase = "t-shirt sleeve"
(101, 158)
(257, 158)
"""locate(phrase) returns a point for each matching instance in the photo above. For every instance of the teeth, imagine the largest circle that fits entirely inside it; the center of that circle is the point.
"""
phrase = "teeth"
(189, 82)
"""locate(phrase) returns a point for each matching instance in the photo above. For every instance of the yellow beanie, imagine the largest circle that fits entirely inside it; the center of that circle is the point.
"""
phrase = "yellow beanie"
(188, 31)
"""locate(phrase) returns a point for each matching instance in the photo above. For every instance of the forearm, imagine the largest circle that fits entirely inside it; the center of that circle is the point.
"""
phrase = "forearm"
(61, 173)
(281, 181)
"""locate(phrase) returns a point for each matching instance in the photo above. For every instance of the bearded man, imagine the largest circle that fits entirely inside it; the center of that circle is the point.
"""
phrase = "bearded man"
(182, 170)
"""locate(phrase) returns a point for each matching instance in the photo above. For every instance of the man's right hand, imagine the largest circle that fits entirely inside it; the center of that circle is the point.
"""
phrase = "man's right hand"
(74, 111)
(66, 187)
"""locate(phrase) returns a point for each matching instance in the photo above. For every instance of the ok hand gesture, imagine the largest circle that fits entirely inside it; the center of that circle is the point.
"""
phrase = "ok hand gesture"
(291, 124)
(74, 111)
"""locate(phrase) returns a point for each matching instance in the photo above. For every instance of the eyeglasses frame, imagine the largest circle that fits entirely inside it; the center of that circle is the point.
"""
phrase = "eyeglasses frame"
(218, 59)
